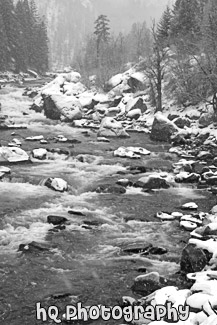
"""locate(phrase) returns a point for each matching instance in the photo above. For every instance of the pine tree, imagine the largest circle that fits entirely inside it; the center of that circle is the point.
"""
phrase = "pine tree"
(4, 46)
(102, 33)
(185, 25)
(164, 27)
(14, 35)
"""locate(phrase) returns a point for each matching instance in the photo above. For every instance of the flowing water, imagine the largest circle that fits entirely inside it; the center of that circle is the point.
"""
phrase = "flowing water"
(85, 261)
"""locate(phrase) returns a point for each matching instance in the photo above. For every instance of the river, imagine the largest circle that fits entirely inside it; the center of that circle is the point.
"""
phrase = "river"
(85, 261)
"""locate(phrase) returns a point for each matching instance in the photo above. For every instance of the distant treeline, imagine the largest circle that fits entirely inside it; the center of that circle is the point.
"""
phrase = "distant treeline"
(179, 53)
(23, 37)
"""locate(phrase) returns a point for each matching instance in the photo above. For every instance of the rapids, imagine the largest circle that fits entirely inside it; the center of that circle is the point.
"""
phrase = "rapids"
(85, 261)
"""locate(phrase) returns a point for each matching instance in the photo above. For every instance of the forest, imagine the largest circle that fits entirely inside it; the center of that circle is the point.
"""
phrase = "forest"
(178, 54)
(23, 37)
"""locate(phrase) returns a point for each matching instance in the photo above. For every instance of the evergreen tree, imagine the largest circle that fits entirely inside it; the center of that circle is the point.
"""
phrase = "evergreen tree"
(14, 35)
(4, 46)
(102, 33)
(164, 27)
(185, 25)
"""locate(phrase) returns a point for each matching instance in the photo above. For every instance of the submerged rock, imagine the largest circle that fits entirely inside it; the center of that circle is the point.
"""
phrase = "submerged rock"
(33, 247)
(152, 182)
(112, 189)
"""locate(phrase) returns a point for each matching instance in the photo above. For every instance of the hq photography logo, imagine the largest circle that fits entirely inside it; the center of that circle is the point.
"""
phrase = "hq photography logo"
(130, 313)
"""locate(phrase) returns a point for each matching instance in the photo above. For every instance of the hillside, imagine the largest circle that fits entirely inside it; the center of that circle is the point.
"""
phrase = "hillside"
(70, 20)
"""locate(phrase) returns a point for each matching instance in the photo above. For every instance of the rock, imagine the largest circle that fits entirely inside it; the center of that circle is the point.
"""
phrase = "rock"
(139, 150)
(193, 259)
(102, 139)
(193, 114)
(126, 153)
(164, 216)
(185, 177)
(39, 153)
(181, 122)
(60, 107)
(112, 189)
(147, 283)
(73, 89)
(211, 180)
(35, 138)
(173, 116)
(189, 206)
(136, 248)
(188, 225)
(135, 103)
(56, 220)
(76, 213)
(111, 128)
(13, 155)
(37, 105)
(206, 119)
(134, 114)
(198, 167)
(56, 184)
(152, 182)
(73, 77)
(124, 182)
(86, 100)
(33, 247)
(137, 80)
(5, 170)
(162, 128)
(157, 251)
(114, 81)
(137, 170)
(204, 155)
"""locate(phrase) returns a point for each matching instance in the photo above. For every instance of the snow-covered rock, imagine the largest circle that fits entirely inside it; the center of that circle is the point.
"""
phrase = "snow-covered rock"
(13, 155)
(65, 108)
(162, 128)
(111, 128)
(40, 153)
(57, 184)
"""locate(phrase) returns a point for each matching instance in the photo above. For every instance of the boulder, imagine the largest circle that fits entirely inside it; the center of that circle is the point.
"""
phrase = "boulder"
(134, 114)
(137, 81)
(181, 122)
(152, 182)
(206, 118)
(193, 259)
(61, 107)
(111, 128)
(112, 189)
(56, 184)
(162, 128)
(13, 155)
(73, 89)
(148, 283)
(135, 103)
(38, 105)
(114, 81)
(56, 220)
(40, 153)
(73, 77)
(33, 247)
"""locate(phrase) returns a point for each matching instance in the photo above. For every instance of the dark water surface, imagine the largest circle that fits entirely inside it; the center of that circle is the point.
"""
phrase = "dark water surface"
(82, 264)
